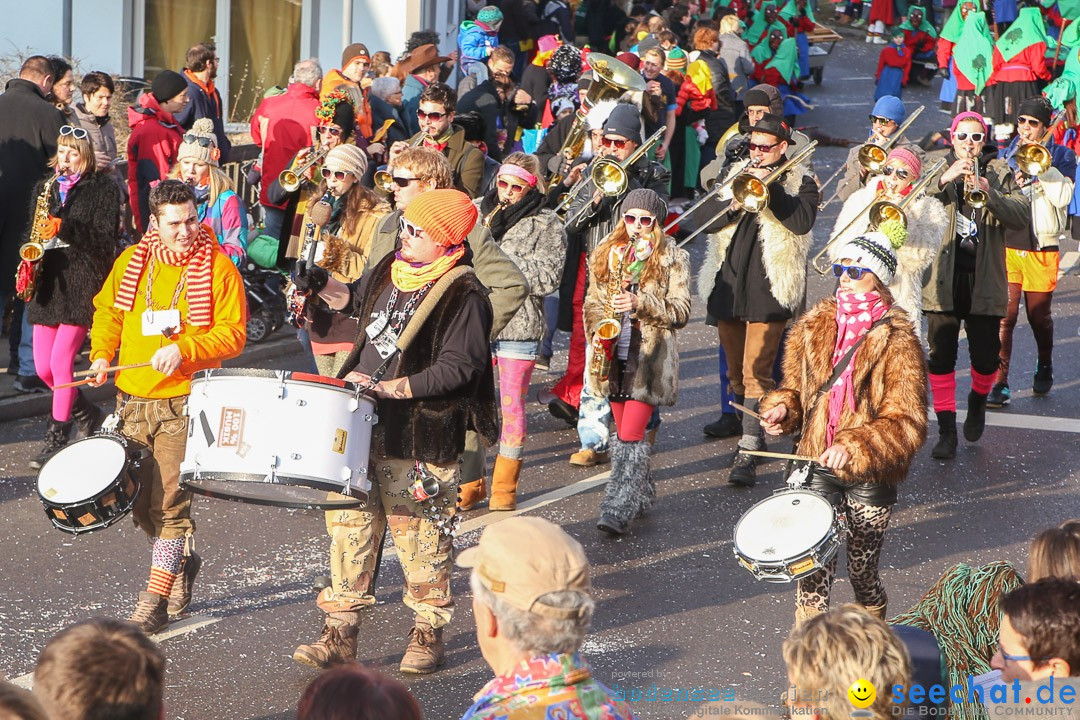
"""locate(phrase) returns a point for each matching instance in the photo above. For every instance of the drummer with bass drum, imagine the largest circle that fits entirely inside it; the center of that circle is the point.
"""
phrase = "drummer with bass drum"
(175, 300)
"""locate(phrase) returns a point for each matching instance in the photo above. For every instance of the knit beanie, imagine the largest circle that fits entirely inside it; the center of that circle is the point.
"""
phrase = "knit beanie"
(873, 251)
(200, 143)
(765, 96)
(647, 200)
(349, 158)
(624, 121)
(565, 63)
(490, 16)
(909, 159)
(447, 216)
(1038, 108)
(891, 107)
(168, 85)
(629, 59)
(676, 60)
(354, 51)
(968, 115)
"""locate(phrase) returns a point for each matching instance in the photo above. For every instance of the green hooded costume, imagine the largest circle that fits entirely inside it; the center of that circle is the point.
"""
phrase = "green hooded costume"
(790, 11)
(760, 29)
(955, 27)
(975, 50)
(925, 26)
(786, 60)
(1065, 87)
(1028, 29)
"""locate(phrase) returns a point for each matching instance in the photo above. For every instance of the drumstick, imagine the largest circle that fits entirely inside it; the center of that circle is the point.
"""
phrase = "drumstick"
(782, 456)
(77, 383)
(115, 368)
(746, 410)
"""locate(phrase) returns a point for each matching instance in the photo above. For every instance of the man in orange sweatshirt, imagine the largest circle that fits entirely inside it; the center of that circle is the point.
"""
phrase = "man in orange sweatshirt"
(174, 300)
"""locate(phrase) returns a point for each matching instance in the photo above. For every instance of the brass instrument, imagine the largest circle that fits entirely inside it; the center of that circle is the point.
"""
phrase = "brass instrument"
(608, 330)
(825, 203)
(609, 176)
(610, 79)
(973, 196)
(1034, 158)
(715, 188)
(487, 218)
(880, 211)
(384, 179)
(318, 216)
(33, 250)
(290, 179)
(872, 157)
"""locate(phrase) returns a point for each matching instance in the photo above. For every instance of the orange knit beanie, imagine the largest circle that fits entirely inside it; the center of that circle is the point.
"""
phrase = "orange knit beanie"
(446, 215)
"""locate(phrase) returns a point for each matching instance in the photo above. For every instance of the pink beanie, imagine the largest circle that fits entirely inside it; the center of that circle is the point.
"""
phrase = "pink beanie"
(910, 160)
(969, 115)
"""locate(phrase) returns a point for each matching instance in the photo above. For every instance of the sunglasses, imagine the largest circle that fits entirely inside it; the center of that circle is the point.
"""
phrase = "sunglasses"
(761, 148)
(327, 173)
(512, 187)
(199, 139)
(331, 130)
(403, 182)
(878, 120)
(900, 172)
(1027, 121)
(78, 132)
(853, 271)
(409, 229)
(643, 221)
(436, 116)
(617, 143)
(975, 136)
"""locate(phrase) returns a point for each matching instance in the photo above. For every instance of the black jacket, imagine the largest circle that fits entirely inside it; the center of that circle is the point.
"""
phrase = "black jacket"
(521, 21)
(201, 105)
(719, 120)
(381, 111)
(552, 143)
(602, 18)
(485, 100)
(72, 276)
(29, 127)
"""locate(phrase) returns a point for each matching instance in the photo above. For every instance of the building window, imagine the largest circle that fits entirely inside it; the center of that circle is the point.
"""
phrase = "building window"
(173, 26)
(264, 46)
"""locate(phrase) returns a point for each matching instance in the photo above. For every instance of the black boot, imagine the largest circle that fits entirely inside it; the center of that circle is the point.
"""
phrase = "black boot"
(975, 422)
(87, 416)
(57, 435)
(945, 449)
(744, 467)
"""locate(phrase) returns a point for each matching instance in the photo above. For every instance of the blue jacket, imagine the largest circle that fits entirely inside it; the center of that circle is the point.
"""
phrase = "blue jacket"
(201, 105)
(410, 103)
(1060, 157)
(475, 42)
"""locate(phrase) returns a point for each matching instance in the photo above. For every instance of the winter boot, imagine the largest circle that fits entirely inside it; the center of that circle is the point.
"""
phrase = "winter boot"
(628, 492)
(744, 467)
(945, 449)
(504, 482)
(1044, 378)
(87, 416)
(336, 645)
(180, 597)
(151, 613)
(975, 422)
(426, 651)
(727, 426)
(804, 613)
(877, 611)
(471, 493)
(57, 435)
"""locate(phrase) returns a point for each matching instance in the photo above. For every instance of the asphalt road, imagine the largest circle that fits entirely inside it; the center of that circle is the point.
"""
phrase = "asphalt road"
(675, 610)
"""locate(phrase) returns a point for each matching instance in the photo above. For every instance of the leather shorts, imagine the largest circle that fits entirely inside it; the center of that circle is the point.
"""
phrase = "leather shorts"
(874, 494)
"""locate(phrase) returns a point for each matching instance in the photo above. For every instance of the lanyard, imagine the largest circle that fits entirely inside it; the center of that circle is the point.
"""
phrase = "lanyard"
(150, 284)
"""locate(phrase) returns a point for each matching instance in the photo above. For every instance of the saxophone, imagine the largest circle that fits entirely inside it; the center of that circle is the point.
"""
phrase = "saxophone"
(608, 330)
(43, 229)
(487, 218)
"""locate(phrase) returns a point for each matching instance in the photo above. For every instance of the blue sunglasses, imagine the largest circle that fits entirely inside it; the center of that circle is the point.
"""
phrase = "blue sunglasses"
(853, 271)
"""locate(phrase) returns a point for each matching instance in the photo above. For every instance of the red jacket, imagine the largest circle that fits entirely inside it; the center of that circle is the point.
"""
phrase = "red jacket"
(891, 57)
(1026, 66)
(151, 152)
(768, 75)
(282, 126)
(918, 41)
(944, 54)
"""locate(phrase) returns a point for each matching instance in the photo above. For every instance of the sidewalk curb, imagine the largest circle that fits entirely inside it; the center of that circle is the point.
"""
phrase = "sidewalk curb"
(22, 407)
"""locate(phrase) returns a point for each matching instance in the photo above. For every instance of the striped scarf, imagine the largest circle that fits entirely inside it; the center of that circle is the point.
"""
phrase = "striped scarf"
(198, 260)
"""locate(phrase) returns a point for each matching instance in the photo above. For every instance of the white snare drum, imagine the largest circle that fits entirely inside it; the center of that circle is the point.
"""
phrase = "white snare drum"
(273, 437)
(787, 536)
(91, 483)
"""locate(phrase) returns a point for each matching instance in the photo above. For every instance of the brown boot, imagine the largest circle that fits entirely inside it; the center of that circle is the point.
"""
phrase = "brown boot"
(877, 611)
(504, 482)
(180, 597)
(804, 613)
(471, 493)
(151, 613)
(426, 651)
(336, 645)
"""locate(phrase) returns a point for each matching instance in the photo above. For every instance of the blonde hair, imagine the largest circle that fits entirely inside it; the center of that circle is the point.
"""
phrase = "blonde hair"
(1056, 553)
(219, 181)
(831, 651)
(85, 146)
(427, 164)
(600, 261)
(730, 25)
(530, 163)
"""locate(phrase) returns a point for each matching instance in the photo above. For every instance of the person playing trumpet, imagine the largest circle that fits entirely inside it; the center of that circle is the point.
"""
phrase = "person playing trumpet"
(967, 282)
(886, 117)
(1032, 255)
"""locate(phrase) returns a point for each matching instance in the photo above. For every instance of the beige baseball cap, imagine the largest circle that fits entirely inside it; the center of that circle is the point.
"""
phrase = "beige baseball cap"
(523, 558)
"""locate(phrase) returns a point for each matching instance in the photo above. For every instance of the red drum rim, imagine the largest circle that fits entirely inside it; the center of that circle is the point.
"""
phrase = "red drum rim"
(283, 375)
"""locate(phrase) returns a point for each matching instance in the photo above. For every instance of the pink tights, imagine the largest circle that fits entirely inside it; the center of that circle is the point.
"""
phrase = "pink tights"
(54, 359)
(631, 419)
(514, 376)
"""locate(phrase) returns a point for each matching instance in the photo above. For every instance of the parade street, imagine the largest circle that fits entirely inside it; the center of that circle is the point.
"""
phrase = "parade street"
(675, 609)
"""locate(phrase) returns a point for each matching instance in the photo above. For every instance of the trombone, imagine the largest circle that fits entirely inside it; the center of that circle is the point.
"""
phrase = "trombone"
(715, 189)
(822, 205)
(383, 179)
(290, 179)
(880, 211)
(1034, 159)
(611, 177)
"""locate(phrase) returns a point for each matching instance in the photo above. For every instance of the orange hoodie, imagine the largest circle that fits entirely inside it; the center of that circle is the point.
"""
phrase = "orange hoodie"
(200, 347)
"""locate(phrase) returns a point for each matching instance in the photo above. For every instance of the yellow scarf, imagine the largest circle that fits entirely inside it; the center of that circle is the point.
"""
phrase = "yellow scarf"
(410, 278)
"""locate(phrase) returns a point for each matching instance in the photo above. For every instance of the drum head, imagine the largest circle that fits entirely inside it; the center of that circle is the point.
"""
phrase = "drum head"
(247, 489)
(81, 470)
(784, 526)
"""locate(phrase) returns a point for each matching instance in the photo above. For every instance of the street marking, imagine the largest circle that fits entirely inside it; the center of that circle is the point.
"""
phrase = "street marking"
(538, 502)
(1068, 263)
(1027, 422)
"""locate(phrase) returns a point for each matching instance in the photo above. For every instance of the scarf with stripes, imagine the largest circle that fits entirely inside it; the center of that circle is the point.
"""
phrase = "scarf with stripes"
(199, 263)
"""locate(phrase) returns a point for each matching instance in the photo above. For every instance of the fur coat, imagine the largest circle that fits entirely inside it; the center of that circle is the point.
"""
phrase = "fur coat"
(888, 424)
(926, 221)
(783, 252)
(537, 245)
(663, 308)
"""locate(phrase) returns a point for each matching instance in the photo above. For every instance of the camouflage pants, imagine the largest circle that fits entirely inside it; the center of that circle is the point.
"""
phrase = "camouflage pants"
(425, 554)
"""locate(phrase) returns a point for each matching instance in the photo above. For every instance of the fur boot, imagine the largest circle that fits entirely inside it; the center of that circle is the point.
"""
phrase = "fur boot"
(504, 482)
(470, 493)
(630, 490)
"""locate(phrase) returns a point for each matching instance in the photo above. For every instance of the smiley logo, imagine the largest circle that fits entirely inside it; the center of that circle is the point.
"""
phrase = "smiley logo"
(862, 693)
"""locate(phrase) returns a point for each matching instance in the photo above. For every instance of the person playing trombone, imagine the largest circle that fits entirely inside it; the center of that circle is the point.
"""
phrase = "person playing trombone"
(1031, 255)
(885, 119)
(753, 279)
(967, 283)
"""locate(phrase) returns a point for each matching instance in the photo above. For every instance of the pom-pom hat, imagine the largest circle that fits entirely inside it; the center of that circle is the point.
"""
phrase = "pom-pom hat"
(873, 251)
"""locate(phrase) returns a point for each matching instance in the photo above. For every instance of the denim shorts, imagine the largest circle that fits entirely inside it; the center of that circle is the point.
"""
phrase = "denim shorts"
(517, 349)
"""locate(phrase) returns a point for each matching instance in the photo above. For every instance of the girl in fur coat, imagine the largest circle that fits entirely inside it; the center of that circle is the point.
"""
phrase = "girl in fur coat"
(81, 235)
(864, 429)
(651, 301)
(926, 222)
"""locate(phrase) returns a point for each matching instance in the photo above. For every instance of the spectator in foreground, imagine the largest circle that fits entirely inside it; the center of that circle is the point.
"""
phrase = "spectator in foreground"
(1040, 632)
(353, 692)
(101, 668)
(1056, 553)
(19, 704)
(532, 603)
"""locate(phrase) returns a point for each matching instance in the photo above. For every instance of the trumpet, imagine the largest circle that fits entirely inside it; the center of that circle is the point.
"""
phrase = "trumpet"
(384, 180)
(1034, 158)
(612, 178)
(973, 196)
(879, 211)
(291, 178)
(872, 156)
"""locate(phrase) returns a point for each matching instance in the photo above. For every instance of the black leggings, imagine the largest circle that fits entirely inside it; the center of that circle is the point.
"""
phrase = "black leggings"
(1037, 305)
(943, 333)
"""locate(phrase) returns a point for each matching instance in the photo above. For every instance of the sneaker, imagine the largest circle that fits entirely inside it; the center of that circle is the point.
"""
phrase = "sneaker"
(1044, 379)
(180, 597)
(151, 613)
(336, 644)
(425, 652)
(589, 458)
(859, 23)
(727, 426)
(743, 470)
(543, 362)
(30, 384)
(998, 397)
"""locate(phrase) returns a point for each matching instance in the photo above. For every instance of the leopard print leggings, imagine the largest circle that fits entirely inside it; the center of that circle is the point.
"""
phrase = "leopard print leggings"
(866, 535)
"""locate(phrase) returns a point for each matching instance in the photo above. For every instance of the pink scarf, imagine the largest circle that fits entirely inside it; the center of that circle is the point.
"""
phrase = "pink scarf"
(855, 313)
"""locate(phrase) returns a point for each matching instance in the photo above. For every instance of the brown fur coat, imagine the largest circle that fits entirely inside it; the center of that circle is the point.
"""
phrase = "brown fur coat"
(888, 425)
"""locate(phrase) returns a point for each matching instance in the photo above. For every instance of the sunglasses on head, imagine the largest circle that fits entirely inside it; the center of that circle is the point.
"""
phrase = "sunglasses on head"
(403, 182)
(436, 116)
(761, 148)
(192, 138)
(617, 143)
(335, 131)
(975, 136)
(878, 120)
(853, 271)
(512, 187)
(1027, 121)
(408, 228)
(78, 132)
(900, 172)
(336, 174)
(642, 221)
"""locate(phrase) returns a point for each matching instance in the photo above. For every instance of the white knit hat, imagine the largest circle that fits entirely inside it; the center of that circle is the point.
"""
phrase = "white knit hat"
(349, 158)
(873, 251)
(200, 143)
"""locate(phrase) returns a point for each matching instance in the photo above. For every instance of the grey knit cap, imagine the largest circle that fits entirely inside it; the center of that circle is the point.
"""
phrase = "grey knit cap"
(647, 200)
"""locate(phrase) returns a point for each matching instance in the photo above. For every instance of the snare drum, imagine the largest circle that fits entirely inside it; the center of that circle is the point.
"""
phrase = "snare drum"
(279, 438)
(787, 536)
(91, 483)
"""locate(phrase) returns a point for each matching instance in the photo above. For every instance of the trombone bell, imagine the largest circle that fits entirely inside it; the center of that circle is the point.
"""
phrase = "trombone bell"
(872, 158)
(609, 178)
(1033, 159)
(884, 210)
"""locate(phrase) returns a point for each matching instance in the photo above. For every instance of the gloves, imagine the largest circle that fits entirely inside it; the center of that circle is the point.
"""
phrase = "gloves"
(309, 281)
